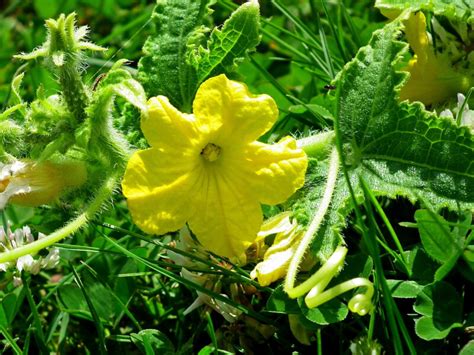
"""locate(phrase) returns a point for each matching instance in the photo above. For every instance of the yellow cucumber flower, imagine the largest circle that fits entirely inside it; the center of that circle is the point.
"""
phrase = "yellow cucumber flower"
(276, 260)
(433, 78)
(207, 168)
(32, 183)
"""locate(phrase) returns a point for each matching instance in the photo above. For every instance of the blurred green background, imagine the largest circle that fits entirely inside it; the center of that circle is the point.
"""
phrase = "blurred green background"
(113, 23)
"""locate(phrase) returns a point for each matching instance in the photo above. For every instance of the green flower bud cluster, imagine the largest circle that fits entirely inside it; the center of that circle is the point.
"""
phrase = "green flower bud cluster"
(64, 145)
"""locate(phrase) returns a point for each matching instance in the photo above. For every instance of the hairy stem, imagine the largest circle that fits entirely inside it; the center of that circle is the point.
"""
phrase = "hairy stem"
(318, 145)
(311, 232)
(73, 90)
(102, 195)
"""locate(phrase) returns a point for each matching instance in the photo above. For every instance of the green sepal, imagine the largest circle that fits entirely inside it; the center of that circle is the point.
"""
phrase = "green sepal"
(98, 135)
(65, 40)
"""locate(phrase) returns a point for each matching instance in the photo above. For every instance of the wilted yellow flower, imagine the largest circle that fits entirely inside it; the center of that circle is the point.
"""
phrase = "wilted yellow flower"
(31, 184)
(207, 168)
(276, 260)
(433, 78)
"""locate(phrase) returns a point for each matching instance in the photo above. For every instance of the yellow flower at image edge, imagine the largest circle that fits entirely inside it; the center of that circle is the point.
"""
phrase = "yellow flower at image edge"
(433, 78)
(207, 168)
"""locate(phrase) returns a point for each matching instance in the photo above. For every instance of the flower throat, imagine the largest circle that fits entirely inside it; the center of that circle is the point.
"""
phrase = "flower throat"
(211, 152)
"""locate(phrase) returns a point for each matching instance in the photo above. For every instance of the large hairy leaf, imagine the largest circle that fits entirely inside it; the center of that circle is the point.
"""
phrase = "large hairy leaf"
(399, 149)
(229, 45)
(400, 145)
(175, 63)
(163, 69)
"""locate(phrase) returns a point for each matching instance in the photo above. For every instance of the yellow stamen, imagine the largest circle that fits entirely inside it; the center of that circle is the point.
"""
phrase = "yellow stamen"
(211, 152)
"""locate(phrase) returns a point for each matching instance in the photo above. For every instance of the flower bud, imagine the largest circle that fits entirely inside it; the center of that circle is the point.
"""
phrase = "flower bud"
(31, 184)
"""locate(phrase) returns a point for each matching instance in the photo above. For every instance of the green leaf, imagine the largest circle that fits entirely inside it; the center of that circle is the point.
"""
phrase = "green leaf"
(314, 108)
(400, 148)
(306, 201)
(452, 9)
(436, 237)
(439, 241)
(440, 300)
(358, 265)
(279, 302)
(19, 215)
(73, 301)
(468, 349)
(8, 309)
(441, 306)
(152, 341)
(404, 289)
(16, 84)
(163, 69)
(427, 330)
(420, 265)
(330, 312)
(464, 224)
(210, 350)
(229, 45)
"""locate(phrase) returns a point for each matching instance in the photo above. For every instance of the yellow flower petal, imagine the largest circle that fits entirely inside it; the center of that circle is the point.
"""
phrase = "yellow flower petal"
(415, 31)
(150, 168)
(227, 219)
(273, 268)
(165, 125)
(273, 172)
(277, 258)
(432, 77)
(228, 109)
(158, 195)
(276, 224)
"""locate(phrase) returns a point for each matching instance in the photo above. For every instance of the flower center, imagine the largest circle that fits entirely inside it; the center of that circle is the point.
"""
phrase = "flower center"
(211, 152)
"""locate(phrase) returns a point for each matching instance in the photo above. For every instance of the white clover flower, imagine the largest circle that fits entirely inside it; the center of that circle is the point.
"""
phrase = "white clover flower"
(30, 263)
(467, 115)
(231, 314)
(186, 243)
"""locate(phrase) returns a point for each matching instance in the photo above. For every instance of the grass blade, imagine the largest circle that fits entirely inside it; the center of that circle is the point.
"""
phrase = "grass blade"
(16, 349)
(98, 324)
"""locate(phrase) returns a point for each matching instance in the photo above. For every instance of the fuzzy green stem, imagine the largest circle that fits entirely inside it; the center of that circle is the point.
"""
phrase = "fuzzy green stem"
(312, 230)
(32, 248)
(320, 279)
(73, 89)
(318, 145)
